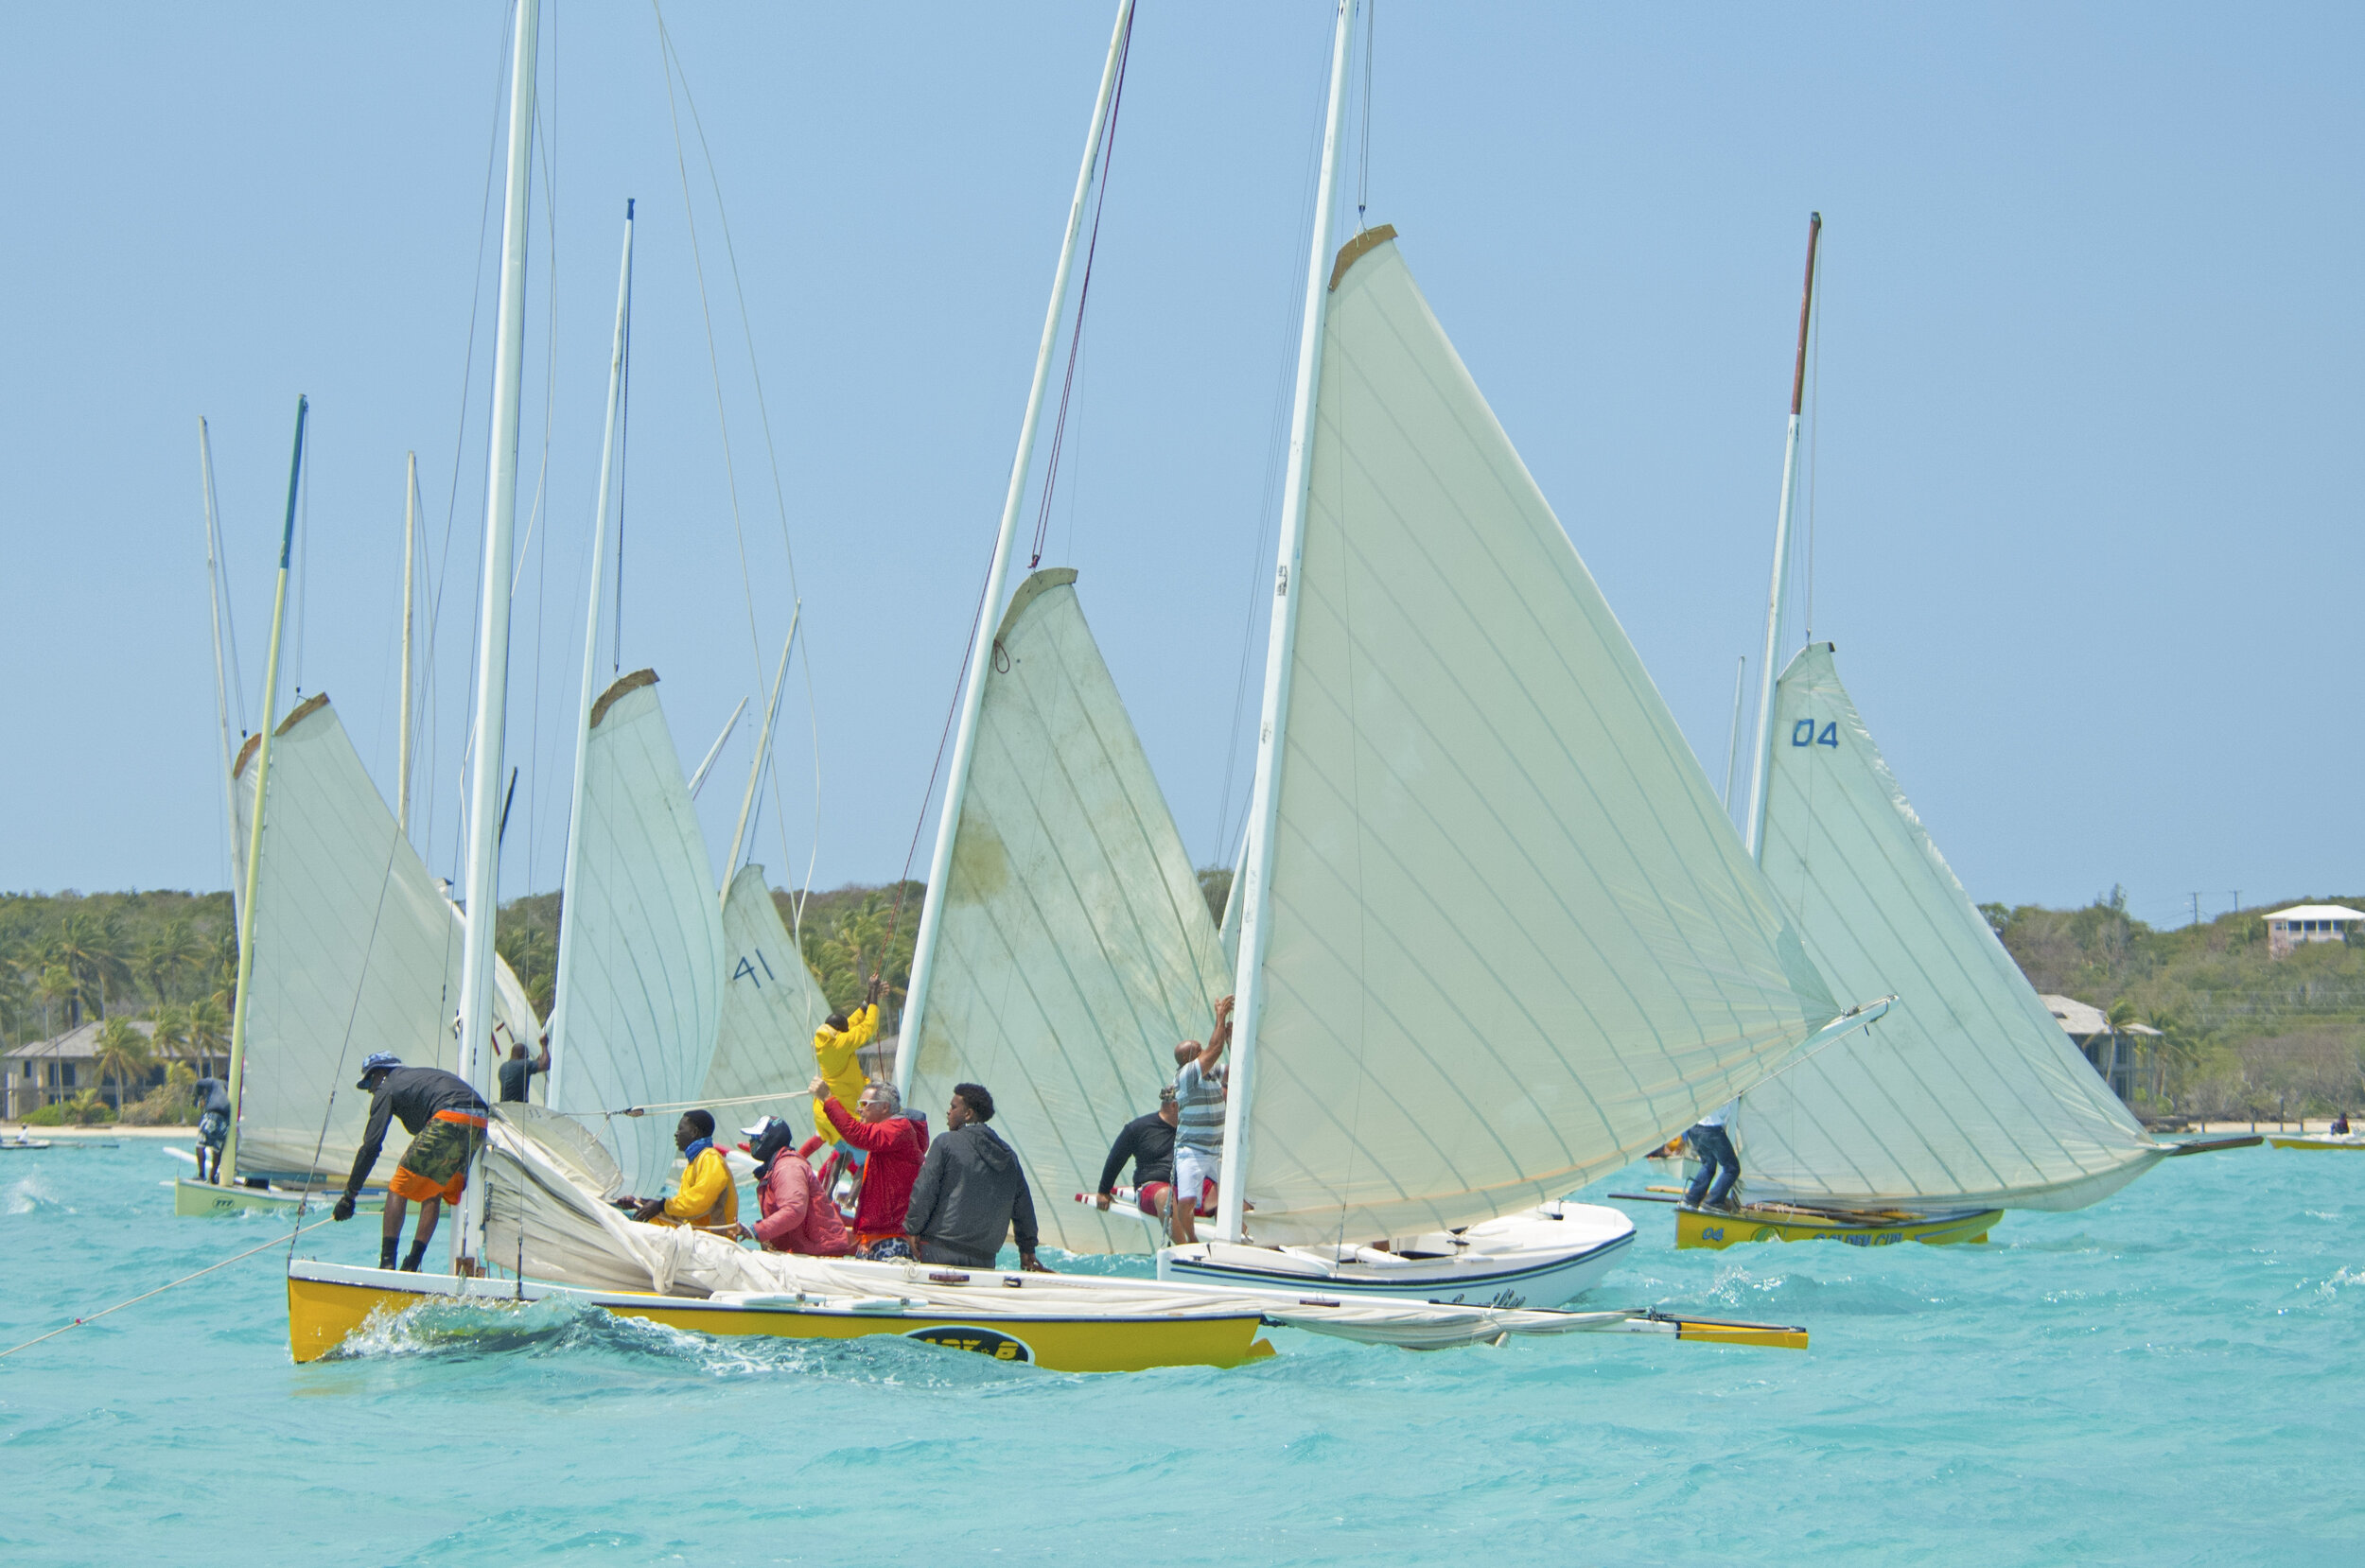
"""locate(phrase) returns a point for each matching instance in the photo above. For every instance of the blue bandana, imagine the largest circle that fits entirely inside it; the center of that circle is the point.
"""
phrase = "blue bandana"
(698, 1148)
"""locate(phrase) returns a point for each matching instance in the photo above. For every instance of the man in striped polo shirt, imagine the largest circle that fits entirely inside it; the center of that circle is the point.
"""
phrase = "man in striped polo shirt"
(1200, 1093)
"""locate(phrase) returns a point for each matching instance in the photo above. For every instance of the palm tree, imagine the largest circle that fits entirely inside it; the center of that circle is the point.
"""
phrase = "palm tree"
(91, 947)
(123, 1056)
(56, 989)
(167, 955)
(170, 1037)
(208, 1023)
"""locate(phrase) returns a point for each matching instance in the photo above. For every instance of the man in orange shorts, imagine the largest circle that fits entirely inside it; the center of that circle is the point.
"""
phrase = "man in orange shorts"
(445, 1120)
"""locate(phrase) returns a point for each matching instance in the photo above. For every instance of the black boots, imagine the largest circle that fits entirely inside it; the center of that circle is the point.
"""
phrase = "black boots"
(386, 1251)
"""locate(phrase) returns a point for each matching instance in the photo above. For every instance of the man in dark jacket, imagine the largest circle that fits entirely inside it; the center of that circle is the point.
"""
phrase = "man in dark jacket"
(970, 1193)
(213, 1125)
(446, 1119)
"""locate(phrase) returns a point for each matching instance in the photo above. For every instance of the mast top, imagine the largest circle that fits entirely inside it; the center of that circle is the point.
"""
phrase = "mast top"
(1806, 311)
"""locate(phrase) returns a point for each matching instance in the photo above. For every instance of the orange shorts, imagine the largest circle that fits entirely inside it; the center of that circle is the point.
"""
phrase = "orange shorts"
(436, 1163)
(408, 1183)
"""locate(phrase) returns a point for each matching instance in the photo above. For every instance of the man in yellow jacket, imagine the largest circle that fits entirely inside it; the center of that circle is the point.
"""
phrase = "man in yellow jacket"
(837, 1049)
(708, 1199)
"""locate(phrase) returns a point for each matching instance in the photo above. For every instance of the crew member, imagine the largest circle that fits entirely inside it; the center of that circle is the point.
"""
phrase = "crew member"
(708, 1199)
(445, 1120)
(213, 1124)
(1148, 1141)
(892, 1145)
(798, 1216)
(1200, 1091)
(971, 1193)
(517, 1072)
(837, 1049)
(1718, 1162)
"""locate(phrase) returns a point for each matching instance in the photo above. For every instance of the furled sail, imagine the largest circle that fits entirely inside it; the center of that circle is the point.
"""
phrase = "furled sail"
(1513, 942)
(763, 1044)
(356, 951)
(640, 941)
(1074, 949)
(1968, 1091)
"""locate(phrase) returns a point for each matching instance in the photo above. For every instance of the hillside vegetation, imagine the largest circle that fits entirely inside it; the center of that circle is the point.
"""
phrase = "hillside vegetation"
(2241, 1033)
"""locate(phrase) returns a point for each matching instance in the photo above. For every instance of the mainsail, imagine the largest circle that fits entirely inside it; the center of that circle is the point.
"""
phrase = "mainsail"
(356, 951)
(1074, 948)
(770, 1009)
(1512, 942)
(1968, 1091)
(640, 941)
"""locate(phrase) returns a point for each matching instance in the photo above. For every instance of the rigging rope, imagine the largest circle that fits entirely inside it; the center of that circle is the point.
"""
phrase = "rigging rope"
(161, 1289)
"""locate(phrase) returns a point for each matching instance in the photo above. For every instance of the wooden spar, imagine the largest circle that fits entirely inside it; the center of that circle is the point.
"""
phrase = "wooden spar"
(1762, 762)
(698, 779)
(618, 351)
(255, 829)
(492, 665)
(1248, 987)
(981, 653)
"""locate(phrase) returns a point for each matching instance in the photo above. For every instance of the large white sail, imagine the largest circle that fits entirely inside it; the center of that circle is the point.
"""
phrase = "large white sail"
(356, 951)
(640, 941)
(1074, 949)
(1968, 1091)
(1513, 942)
(763, 1044)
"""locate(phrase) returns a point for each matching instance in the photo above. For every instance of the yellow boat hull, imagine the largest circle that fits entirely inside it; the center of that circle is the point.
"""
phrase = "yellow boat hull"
(1694, 1227)
(2326, 1140)
(329, 1303)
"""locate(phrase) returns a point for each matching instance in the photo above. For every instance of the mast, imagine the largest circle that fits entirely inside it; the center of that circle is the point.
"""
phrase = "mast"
(213, 597)
(1761, 764)
(981, 653)
(410, 557)
(763, 750)
(591, 657)
(1249, 990)
(254, 831)
(492, 680)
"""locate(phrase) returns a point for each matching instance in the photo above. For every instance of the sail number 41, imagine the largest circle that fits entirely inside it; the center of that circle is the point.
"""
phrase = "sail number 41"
(1803, 733)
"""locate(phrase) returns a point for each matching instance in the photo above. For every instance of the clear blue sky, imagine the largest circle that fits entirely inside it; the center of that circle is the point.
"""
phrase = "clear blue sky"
(2088, 410)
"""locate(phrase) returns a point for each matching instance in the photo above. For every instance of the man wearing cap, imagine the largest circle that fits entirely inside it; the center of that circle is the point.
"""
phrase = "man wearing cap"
(708, 1199)
(797, 1215)
(1148, 1142)
(445, 1120)
(892, 1143)
(971, 1193)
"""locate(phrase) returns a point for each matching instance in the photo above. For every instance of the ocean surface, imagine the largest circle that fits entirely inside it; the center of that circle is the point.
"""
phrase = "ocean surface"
(2175, 1375)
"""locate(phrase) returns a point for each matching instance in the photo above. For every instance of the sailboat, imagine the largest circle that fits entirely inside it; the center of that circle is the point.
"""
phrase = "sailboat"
(346, 946)
(540, 1205)
(1967, 1099)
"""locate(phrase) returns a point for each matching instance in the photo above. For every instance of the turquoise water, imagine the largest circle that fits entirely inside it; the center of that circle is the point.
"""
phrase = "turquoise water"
(2172, 1376)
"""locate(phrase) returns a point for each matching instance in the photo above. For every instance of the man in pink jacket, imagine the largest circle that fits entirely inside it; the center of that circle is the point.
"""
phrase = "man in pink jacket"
(797, 1215)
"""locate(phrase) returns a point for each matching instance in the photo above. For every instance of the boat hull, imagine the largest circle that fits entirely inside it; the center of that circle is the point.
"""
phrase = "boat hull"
(2324, 1140)
(328, 1303)
(1696, 1227)
(204, 1200)
(1539, 1275)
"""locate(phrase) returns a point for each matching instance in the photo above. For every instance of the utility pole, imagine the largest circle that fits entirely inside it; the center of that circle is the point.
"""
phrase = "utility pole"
(2196, 909)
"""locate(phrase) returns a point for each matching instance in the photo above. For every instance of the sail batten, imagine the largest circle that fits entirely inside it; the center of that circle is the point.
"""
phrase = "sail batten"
(1513, 941)
(1969, 1091)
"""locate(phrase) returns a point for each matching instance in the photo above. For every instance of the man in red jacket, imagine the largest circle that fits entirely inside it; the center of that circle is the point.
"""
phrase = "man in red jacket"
(797, 1215)
(893, 1145)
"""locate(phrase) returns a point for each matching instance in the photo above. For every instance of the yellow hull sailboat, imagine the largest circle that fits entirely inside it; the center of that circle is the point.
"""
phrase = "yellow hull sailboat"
(1784, 1222)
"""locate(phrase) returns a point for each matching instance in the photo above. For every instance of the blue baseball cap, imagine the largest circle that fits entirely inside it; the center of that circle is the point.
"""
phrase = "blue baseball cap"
(377, 1060)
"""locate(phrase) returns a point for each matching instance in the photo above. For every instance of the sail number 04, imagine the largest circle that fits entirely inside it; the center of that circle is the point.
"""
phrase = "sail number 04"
(1803, 733)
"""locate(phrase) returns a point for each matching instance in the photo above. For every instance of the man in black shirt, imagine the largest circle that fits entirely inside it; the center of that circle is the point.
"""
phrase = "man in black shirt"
(446, 1119)
(213, 1125)
(517, 1072)
(1148, 1142)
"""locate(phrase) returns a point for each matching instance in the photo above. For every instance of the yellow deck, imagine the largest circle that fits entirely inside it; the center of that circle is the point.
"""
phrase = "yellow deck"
(1695, 1229)
(321, 1314)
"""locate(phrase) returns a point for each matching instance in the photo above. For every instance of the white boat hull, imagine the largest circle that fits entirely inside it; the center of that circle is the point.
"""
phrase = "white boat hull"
(1539, 1256)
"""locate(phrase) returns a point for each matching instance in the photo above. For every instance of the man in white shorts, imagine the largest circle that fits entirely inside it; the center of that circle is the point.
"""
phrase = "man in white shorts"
(1200, 1093)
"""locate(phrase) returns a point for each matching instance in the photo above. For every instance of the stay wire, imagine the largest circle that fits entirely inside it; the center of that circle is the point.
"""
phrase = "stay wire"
(1083, 300)
(1363, 171)
(1814, 430)
(237, 1257)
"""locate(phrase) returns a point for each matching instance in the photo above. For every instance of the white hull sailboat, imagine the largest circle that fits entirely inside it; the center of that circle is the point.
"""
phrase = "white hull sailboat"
(1540, 1257)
